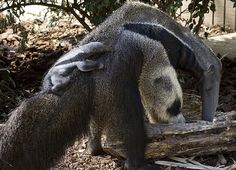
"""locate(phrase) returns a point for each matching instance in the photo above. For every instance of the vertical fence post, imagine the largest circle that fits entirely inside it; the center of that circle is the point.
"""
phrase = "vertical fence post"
(213, 16)
(235, 19)
(224, 14)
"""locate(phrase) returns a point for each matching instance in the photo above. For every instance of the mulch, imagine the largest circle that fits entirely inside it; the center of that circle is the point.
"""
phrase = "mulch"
(21, 72)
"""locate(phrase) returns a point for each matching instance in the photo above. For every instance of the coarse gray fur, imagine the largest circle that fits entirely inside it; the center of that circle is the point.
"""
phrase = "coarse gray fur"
(173, 44)
(204, 65)
(107, 101)
(157, 84)
(110, 98)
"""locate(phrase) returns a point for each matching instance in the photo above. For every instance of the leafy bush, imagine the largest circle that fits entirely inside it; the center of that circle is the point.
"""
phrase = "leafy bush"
(97, 11)
(197, 9)
(234, 1)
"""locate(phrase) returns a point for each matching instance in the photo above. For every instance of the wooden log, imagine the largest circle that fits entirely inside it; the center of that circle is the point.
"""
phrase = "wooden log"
(190, 139)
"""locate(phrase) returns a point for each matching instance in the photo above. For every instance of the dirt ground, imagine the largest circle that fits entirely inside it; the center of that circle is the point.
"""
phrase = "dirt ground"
(23, 64)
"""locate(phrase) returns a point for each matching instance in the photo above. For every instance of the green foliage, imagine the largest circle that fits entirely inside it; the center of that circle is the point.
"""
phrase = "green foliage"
(24, 40)
(100, 9)
(6, 20)
(97, 11)
(234, 1)
(169, 6)
(197, 9)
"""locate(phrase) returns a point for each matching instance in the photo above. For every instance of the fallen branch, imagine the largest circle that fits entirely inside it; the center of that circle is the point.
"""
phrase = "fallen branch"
(190, 139)
(188, 163)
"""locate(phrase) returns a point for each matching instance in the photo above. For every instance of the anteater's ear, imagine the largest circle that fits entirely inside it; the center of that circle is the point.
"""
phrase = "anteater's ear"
(94, 48)
(211, 69)
(89, 65)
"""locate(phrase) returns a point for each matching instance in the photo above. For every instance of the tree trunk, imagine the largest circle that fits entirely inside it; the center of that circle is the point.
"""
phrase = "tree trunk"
(190, 139)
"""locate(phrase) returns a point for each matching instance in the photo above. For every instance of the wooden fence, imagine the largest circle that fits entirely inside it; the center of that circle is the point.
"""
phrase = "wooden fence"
(225, 14)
